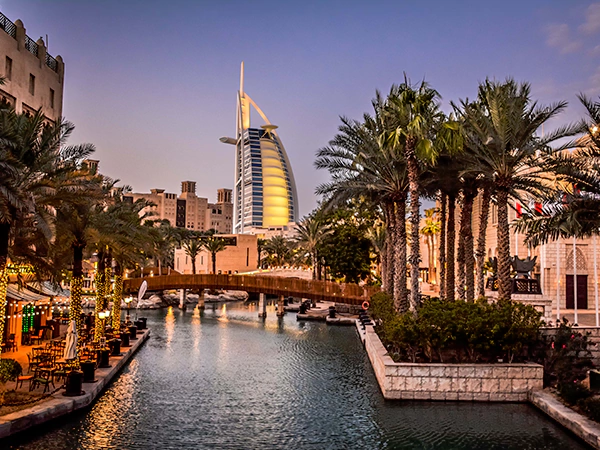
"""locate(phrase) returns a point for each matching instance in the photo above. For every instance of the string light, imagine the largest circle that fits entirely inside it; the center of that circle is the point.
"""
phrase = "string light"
(3, 289)
(117, 297)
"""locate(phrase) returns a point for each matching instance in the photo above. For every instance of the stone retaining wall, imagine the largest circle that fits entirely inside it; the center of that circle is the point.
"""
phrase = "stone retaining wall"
(470, 382)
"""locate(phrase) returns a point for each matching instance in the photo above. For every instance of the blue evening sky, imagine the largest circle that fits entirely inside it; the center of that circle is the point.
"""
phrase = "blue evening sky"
(153, 83)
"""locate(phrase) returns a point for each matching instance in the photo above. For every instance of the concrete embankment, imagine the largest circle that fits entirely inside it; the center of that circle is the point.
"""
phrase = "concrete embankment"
(581, 426)
(58, 405)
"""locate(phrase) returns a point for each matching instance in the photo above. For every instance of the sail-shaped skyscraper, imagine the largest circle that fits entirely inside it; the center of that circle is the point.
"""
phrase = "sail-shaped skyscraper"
(265, 192)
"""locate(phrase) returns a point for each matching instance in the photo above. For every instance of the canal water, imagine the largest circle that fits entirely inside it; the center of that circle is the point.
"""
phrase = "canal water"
(224, 379)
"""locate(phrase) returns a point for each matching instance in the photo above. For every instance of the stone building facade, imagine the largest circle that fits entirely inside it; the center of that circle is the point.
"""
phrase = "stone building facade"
(190, 211)
(33, 79)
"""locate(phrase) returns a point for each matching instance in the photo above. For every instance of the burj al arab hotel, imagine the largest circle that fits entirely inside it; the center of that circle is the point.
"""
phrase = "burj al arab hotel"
(265, 192)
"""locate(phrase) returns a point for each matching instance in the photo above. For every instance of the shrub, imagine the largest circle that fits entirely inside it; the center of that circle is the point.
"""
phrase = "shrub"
(565, 356)
(9, 370)
(457, 331)
(573, 392)
(592, 407)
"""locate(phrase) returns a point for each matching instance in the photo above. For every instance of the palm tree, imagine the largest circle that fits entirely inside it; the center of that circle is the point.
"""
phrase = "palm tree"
(415, 114)
(193, 247)
(278, 250)
(36, 167)
(364, 164)
(310, 235)
(214, 245)
(74, 229)
(430, 230)
(502, 127)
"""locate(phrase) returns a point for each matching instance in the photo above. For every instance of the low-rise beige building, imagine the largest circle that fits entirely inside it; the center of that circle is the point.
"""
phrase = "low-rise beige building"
(33, 79)
(241, 255)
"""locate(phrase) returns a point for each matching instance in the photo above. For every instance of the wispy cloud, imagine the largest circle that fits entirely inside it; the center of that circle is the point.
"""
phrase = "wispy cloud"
(559, 37)
(592, 20)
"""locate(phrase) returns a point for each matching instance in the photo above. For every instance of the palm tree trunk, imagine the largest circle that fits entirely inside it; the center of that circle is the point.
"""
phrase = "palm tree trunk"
(481, 239)
(504, 282)
(415, 216)
(194, 265)
(460, 256)
(4, 240)
(314, 261)
(450, 248)
(442, 257)
(214, 262)
(390, 236)
(100, 294)
(77, 289)
(400, 291)
(469, 257)
(117, 298)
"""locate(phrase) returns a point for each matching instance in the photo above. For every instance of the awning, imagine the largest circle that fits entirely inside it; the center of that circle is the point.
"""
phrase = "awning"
(24, 295)
(48, 289)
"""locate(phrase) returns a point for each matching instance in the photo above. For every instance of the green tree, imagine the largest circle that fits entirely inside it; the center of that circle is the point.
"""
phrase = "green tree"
(214, 245)
(311, 234)
(36, 167)
(419, 129)
(192, 247)
(364, 164)
(279, 251)
(502, 127)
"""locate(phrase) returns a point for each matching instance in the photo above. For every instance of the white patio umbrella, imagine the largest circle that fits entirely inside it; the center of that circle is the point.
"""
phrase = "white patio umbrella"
(141, 293)
(71, 342)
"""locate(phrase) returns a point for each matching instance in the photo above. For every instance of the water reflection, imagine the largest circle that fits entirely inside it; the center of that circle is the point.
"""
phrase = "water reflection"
(224, 379)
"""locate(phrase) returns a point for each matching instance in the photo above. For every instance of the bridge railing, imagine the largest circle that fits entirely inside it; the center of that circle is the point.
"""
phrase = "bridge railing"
(296, 287)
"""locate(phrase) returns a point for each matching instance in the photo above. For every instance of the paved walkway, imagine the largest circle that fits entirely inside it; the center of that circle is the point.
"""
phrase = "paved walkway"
(21, 357)
(57, 404)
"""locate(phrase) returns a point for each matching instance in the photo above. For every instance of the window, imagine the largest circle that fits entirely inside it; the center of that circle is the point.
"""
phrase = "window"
(31, 84)
(8, 68)
(51, 98)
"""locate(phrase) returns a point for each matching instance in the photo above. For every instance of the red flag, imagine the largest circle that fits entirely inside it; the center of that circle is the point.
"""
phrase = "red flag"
(519, 211)
(538, 207)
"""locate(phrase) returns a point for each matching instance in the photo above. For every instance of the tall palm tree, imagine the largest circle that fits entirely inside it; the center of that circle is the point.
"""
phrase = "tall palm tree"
(311, 233)
(75, 229)
(36, 167)
(363, 163)
(417, 119)
(502, 127)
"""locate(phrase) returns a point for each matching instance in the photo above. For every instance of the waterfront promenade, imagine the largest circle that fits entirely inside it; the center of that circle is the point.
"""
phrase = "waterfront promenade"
(55, 405)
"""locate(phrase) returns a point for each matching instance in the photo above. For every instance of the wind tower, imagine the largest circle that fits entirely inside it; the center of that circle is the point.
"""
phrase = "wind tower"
(265, 192)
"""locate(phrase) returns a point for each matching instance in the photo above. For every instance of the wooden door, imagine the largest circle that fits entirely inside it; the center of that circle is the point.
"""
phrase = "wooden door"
(582, 296)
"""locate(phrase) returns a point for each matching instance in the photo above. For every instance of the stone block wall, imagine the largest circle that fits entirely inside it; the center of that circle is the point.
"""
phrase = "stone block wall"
(470, 382)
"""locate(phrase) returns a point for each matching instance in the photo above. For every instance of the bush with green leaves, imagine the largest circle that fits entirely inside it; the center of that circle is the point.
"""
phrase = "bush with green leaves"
(566, 358)
(445, 331)
(9, 370)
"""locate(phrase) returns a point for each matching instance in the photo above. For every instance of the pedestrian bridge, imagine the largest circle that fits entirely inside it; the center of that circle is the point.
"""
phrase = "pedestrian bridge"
(348, 293)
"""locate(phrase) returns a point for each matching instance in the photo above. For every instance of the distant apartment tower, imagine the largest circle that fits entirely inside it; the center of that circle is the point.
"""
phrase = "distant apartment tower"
(265, 192)
(190, 211)
(33, 79)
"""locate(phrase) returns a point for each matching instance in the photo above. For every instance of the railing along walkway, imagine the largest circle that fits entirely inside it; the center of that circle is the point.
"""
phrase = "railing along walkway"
(319, 290)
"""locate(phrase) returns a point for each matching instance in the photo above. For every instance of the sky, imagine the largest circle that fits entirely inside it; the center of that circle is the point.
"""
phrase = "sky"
(152, 84)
